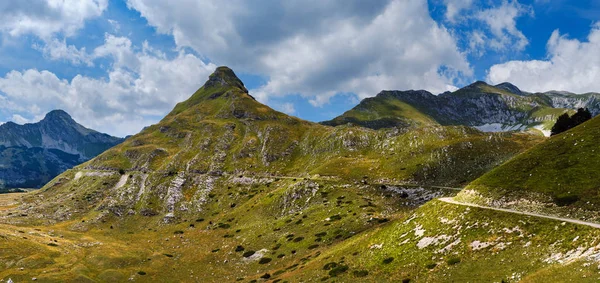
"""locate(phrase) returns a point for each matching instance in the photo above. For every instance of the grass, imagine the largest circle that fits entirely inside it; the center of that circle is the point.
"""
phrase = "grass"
(561, 171)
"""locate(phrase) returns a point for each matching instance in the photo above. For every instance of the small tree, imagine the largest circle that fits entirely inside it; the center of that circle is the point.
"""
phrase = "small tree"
(562, 124)
(581, 116)
(565, 122)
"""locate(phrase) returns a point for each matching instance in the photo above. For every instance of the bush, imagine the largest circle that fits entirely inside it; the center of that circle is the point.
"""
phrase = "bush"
(453, 261)
(329, 266)
(338, 270)
(388, 260)
(564, 122)
(360, 273)
(564, 199)
(248, 253)
(264, 260)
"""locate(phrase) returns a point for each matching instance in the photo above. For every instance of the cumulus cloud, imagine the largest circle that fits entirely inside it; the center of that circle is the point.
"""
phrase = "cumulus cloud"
(502, 24)
(572, 65)
(44, 18)
(317, 48)
(455, 7)
(56, 49)
(140, 87)
(287, 108)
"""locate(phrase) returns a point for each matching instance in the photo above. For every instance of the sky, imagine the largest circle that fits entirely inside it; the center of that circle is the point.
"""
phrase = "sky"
(119, 65)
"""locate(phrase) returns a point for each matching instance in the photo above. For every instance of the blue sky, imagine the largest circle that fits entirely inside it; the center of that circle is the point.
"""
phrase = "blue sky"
(119, 65)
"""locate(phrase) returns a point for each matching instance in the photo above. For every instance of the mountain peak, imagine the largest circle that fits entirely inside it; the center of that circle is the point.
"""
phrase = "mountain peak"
(477, 84)
(509, 87)
(58, 115)
(224, 76)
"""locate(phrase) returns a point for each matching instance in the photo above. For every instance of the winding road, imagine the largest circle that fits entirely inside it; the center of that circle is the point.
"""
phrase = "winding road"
(570, 220)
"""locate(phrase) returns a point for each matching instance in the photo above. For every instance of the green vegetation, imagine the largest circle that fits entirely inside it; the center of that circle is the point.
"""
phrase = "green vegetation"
(566, 122)
(561, 171)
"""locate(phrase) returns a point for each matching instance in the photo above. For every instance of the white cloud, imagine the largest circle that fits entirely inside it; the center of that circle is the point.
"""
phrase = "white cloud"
(573, 65)
(287, 108)
(317, 48)
(502, 24)
(20, 119)
(44, 18)
(477, 40)
(57, 49)
(455, 7)
(140, 88)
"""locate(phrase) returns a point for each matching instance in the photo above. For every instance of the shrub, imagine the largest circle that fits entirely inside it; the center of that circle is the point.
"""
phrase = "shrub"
(360, 273)
(329, 266)
(564, 122)
(338, 270)
(264, 260)
(453, 261)
(248, 253)
(388, 260)
(565, 199)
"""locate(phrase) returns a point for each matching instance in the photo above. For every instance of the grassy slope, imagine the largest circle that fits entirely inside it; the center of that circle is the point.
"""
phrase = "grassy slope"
(383, 111)
(520, 248)
(292, 219)
(561, 170)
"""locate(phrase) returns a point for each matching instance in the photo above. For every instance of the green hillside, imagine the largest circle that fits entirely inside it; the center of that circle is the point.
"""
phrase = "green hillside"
(383, 111)
(560, 173)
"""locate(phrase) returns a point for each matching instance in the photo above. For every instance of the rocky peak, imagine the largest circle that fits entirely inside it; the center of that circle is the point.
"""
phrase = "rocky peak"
(58, 116)
(224, 76)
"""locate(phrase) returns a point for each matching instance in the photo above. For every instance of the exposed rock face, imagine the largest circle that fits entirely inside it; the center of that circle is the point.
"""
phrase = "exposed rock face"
(33, 154)
(57, 131)
(575, 101)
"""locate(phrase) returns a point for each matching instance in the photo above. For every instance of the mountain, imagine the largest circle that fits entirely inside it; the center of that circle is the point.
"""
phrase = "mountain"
(503, 107)
(225, 188)
(33, 154)
(558, 176)
(57, 131)
(563, 99)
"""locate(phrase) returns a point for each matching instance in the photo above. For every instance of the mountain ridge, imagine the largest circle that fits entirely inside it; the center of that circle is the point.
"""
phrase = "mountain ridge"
(503, 107)
(34, 153)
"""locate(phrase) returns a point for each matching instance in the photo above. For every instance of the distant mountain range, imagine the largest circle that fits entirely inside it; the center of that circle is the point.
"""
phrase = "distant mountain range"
(503, 107)
(33, 154)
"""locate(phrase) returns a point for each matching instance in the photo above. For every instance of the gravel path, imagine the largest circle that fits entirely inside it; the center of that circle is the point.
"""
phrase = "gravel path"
(570, 220)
